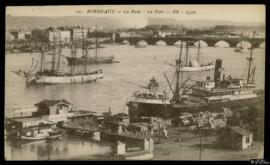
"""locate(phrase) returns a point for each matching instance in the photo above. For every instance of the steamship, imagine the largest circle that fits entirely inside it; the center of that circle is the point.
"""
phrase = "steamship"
(195, 96)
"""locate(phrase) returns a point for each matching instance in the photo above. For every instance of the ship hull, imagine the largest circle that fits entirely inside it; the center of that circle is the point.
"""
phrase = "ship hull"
(240, 50)
(50, 79)
(140, 46)
(200, 68)
(33, 138)
(173, 110)
(98, 60)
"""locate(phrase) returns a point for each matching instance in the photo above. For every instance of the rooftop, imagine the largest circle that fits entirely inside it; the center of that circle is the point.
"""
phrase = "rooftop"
(79, 113)
(25, 110)
(241, 131)
(30, 119)
(50, 103)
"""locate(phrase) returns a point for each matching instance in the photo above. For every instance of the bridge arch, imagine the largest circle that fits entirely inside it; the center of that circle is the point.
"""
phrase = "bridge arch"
(161, 43)
(222, 44)
(211, 41)
(244, 44)
(142, 43)
(262, 45)
(125, 42)
(179, 42)
(201, 42)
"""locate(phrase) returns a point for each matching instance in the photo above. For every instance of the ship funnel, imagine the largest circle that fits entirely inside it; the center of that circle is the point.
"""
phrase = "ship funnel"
(217, 72)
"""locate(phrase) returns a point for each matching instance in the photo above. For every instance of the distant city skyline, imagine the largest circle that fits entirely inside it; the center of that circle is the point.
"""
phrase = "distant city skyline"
(235, 13)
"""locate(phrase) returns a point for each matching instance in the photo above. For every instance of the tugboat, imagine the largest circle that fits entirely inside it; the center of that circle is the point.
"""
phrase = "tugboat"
(53, 75)
(90, 60)
(192, 96)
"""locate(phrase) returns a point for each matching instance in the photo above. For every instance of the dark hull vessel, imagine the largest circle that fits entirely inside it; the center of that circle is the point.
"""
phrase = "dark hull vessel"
(95, 60)
(196, 96)
(173, 110)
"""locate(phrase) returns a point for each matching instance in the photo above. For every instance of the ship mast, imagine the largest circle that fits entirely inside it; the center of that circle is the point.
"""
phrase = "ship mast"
(53, 55)
(96, 42)
(186, 54)
(59, 53)
(73, 52)
(241, 41)
(178, 66)
(42, 61)
(198, 55)
(250, 60)
(83, 51)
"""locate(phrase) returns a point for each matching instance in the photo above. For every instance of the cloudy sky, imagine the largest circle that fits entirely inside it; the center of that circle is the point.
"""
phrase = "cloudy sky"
(237, 13)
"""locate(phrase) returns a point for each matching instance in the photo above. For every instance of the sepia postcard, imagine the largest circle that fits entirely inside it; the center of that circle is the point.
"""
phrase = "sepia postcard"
(135, 82)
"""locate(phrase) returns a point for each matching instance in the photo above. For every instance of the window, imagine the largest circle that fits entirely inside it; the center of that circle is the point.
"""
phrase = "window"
(247, 139)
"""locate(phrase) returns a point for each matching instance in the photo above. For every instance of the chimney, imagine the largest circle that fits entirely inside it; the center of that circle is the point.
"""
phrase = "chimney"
(217, 72)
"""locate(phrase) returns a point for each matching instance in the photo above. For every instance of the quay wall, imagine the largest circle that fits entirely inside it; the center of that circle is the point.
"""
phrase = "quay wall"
(144, 143)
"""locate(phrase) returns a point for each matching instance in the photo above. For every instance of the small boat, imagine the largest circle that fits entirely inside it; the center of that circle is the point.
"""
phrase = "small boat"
(14, 50)
(141, 44)
(54, 135)
(83, 133)
(39, 136)
(98, 46)
(207, 67)
(240, 50)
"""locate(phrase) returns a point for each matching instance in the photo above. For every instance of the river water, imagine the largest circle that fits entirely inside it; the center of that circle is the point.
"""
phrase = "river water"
(66, 148)
(136, 67)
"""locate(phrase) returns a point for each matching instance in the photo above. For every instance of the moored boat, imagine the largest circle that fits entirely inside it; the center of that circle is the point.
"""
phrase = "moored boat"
(207, 67)
(42, 78)
(54, 135)
(86, 59)
(90, 60)
(192, 65)
(38, 136)
(141, 44)
(53, 75)
(209, 94)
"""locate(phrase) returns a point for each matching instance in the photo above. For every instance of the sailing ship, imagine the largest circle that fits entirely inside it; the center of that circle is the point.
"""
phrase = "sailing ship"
(192, 96)
(84, 59)
(54, 75)
(192, 65)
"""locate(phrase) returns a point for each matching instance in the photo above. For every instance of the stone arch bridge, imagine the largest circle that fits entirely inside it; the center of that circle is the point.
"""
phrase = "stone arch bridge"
(209, 40)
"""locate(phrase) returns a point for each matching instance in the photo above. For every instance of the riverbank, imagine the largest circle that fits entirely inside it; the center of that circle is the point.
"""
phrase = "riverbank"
(189, 148)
